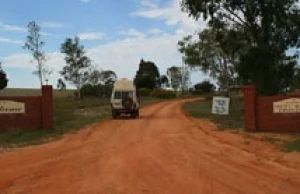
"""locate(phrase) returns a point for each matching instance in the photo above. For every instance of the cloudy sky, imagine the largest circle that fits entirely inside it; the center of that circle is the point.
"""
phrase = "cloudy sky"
(116, 34)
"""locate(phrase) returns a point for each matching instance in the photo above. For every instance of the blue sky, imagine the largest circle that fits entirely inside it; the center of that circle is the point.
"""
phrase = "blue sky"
(116, 34)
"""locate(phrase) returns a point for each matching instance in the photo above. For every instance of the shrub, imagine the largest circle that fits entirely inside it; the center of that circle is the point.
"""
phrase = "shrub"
(87, 90)
(204, 87)
(163, 94)
(3, 79)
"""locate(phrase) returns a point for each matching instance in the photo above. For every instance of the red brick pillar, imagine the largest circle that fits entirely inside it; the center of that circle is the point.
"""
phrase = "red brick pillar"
(250, 107)
(47, 107)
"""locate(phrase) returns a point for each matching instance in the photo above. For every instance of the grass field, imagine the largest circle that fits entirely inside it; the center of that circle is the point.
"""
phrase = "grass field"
(34, 92)
(202, 109)
(70, 115)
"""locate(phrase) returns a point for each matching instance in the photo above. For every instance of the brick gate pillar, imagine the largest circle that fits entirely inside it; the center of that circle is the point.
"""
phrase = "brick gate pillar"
(250, 122)
(47, 107)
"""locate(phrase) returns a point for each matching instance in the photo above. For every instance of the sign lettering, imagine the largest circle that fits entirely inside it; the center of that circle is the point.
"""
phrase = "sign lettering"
(291, 105)
(220, 105)
(11, 107)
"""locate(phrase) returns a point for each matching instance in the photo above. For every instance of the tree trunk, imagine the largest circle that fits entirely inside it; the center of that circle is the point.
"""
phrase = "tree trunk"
(79, 87)
(41, 82)
(79, 93)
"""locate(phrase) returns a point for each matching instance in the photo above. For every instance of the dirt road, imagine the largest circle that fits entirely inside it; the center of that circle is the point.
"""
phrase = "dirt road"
(163, 152)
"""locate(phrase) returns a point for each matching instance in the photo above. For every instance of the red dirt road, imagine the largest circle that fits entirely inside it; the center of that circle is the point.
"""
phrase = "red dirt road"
(163, 152)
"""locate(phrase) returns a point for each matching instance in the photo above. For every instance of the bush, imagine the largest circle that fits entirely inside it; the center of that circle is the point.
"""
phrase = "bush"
(3, 79)
(89, 90)
(163, 94)
(144, 92)
(204, 87)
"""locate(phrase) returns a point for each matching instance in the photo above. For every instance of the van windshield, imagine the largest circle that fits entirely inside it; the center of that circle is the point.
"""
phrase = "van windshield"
(122, 94)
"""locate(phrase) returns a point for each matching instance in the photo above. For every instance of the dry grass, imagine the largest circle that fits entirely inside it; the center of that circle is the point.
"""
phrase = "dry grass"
(70, 115)
(33, 92)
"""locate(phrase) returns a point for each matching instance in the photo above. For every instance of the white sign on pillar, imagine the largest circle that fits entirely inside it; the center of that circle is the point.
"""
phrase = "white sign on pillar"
(220, 105)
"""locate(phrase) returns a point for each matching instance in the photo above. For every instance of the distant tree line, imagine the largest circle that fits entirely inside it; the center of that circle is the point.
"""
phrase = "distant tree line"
(91, 81)
(148, 77)
(3, 78)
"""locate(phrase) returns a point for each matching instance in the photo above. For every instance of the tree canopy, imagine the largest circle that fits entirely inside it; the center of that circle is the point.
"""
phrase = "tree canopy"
(35, 45)
(105, 77)
(296, 80)
(179, 78)
(61, 85)
(3, 78)
(77, 63)
(108, 77)
(211, 53)
(267, 28)
(164, 81)
(204, 87)
(175, 77)
(95, 77)
(147, 76)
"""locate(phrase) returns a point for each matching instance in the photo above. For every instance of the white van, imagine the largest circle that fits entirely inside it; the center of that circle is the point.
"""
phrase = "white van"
(124, 99)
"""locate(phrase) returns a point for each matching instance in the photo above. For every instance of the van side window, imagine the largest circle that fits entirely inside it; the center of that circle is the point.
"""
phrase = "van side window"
(118, 95)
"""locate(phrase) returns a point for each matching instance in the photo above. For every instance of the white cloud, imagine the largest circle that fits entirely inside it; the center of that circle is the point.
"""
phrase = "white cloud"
(172, 15)
(155, 31)
(7, 40)
(51, 25)
(133, 33)
(12, 28)
(123, 56)
(55, 60)
(17, 61)
(91, 35)
(85, 1)
(148, 4)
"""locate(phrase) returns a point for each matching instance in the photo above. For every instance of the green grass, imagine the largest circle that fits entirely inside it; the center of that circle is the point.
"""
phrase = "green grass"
(292, 146)
(69, 116)
(202, 109)
(271, 139)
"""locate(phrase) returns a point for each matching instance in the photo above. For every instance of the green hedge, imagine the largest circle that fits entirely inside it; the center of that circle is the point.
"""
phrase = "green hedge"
(99, 90)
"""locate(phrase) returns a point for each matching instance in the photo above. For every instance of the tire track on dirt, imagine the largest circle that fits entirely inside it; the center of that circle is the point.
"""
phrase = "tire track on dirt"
(164, 151)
